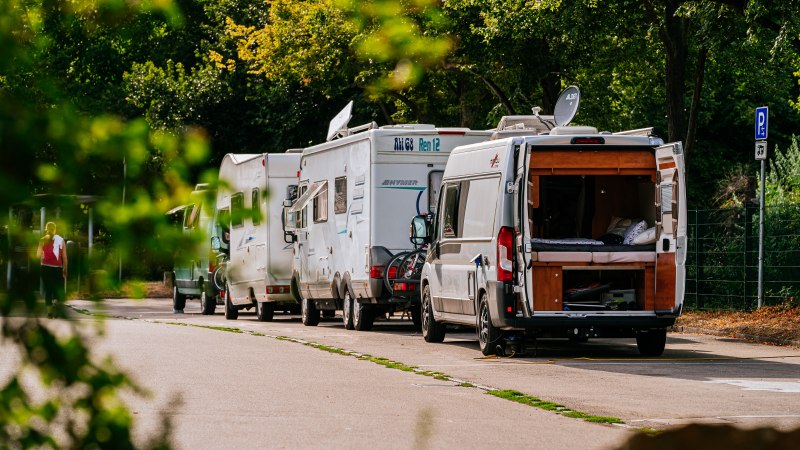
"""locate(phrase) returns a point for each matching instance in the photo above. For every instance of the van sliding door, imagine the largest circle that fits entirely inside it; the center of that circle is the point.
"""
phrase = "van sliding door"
(671, 228)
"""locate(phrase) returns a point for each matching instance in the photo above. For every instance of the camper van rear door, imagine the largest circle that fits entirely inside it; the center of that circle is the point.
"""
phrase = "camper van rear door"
(671, 197)
(522, 155)
(313, 190)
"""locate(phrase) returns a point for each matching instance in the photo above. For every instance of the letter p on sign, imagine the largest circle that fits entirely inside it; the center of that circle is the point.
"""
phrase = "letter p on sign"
(762, 123)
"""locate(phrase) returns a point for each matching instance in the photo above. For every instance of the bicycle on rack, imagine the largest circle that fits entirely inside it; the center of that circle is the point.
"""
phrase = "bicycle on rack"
(402, 278)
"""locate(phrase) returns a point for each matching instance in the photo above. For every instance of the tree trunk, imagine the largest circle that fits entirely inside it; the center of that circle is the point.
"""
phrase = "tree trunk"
(699, 75)
(675, 38)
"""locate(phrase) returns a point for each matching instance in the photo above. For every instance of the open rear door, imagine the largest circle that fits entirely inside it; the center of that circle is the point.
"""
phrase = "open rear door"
(671, 229)
(522, 192)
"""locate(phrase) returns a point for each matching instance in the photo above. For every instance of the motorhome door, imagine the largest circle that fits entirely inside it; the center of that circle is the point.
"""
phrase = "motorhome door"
(671, 218)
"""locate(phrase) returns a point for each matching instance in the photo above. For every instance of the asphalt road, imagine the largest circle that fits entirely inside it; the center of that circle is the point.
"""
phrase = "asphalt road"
(264, 388)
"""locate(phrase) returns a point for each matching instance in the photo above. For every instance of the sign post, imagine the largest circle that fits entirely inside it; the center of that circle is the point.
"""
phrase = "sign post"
(762, 127)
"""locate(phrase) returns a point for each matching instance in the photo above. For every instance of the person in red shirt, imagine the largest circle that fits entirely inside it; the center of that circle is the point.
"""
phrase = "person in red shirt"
(52, 254)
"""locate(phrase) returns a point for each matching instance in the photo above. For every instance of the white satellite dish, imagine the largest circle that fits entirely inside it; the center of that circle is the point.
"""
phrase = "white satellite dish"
(340, 122)
(567, 106)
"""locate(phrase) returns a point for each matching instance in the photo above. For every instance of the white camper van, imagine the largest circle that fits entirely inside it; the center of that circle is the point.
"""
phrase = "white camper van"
(560, 231)
(354, 192)
(250, 201)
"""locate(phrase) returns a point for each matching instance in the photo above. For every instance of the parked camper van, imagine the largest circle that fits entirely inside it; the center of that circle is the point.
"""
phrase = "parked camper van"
(560, 231)
(191, 273)
(249, 203)
(347, 223)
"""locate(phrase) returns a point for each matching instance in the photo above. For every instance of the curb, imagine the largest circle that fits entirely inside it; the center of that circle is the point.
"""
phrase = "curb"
(734, 334)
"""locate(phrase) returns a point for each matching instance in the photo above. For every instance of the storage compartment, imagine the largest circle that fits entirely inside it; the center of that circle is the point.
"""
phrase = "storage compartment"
(604, 289)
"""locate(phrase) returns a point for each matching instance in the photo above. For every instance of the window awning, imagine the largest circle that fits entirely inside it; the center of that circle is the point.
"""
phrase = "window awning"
(176, 209)
(313, 190)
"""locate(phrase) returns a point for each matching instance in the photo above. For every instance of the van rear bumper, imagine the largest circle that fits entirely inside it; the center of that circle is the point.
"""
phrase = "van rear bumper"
(589, 321)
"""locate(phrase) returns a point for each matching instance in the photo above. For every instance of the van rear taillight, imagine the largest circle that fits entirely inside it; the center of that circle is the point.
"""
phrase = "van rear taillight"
(376, 271)
(505, 247)
(392, 272)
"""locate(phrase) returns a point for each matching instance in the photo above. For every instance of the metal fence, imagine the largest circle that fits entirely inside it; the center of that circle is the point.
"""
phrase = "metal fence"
(722, 264)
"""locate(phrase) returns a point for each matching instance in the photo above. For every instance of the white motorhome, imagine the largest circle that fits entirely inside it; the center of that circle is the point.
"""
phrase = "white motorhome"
(539, 235)
(250, 201)
(348, 222)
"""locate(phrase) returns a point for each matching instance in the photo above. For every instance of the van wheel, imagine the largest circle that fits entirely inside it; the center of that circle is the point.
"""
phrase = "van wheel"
(347, 310)
(416, 316)
(363, 317)
(207, 304)
(490, 337)
(651, 342)
(431, 330)
(178, 300)
(309, 314)
(231, 313)
(265, 311)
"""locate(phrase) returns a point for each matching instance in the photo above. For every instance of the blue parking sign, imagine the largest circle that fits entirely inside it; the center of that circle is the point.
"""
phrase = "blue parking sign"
(762, 122)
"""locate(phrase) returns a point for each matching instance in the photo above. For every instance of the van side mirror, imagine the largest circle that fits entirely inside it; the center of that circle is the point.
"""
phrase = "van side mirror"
(288, 223)
(419, 230)
(215, 244)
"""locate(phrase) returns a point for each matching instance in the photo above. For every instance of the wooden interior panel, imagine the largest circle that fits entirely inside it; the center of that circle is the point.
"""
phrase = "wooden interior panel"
(547, 287)
(665, 282)
(605, 159)
(649, 289)
(613, 198)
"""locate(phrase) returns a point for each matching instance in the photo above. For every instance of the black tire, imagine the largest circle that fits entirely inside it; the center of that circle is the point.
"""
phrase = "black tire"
(651, 342)
(265, 311)
(416, 316)
(432, 331)
(178, 299)
(231, 313)
(363, 317)
(207, 304)
(347, 310)
(309, 314)
(489, 336)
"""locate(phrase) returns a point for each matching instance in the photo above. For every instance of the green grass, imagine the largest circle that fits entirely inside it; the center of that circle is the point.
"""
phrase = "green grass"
(525, 399)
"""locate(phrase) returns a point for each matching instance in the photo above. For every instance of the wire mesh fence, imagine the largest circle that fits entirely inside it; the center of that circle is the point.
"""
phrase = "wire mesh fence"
(722, 263)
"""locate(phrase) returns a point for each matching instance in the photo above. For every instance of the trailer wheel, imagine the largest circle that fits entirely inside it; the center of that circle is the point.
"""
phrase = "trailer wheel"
(178, 300)
(265, 311)
(431, 330)
(309, 314)
(207, 304)
(490, 338)
(651, 342)
(363, 317)
(231, 313)
(347, 310)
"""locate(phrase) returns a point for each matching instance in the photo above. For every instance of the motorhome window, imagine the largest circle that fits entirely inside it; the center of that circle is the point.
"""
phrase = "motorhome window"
(237, 210)
(255, 206)
(479, 207)
(434, 185)
(192, 216)
(450, 228)
(291, 192)
(321, 205)
(340, 195)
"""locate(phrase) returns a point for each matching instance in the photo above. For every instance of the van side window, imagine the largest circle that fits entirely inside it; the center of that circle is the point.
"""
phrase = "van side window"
(480, 203)
(321, 205)
(450, 223)
(340, 195)
(255, 206)
(237, 210)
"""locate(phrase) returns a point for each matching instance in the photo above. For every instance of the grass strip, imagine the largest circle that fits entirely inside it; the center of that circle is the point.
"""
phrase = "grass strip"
(525, 399)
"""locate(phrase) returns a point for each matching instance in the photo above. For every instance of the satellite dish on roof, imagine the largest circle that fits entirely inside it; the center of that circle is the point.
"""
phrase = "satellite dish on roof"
(339, 122)
(567, 106)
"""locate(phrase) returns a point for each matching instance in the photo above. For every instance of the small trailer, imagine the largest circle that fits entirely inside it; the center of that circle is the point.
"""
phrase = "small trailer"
(249, 203)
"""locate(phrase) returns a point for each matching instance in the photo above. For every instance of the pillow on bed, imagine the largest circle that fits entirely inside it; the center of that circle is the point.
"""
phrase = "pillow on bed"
(632, 231)
(647, 237)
